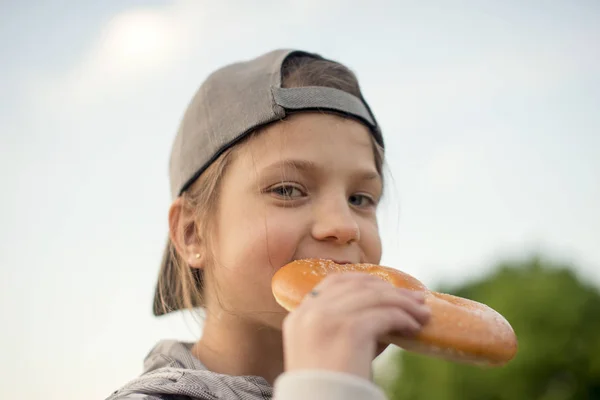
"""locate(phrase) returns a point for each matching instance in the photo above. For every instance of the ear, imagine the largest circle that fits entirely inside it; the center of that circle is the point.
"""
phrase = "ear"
(183, 232)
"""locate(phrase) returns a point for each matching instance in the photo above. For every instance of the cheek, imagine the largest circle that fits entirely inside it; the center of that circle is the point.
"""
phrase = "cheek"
(249, 252)
(283, 235)
(371, 241)
(255, 243)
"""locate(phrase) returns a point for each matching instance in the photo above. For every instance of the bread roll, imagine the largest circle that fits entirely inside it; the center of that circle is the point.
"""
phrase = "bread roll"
(459, 329)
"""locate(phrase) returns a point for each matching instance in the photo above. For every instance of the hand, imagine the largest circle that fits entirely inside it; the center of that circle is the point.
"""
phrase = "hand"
(338, 328)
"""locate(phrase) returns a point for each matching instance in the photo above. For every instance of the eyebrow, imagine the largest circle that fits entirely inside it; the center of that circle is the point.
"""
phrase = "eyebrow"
(312, 167)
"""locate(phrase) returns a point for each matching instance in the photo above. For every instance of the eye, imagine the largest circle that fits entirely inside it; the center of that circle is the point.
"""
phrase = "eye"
(287, 191)
(361, 200)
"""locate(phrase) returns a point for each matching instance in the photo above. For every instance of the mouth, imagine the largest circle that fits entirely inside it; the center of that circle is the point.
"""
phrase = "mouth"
(335, 260)
(342, 262)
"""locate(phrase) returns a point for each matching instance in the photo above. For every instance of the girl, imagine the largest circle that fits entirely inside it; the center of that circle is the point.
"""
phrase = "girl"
(277, 158)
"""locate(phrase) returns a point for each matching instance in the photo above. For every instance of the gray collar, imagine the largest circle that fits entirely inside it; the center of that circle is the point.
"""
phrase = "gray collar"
(170, 370)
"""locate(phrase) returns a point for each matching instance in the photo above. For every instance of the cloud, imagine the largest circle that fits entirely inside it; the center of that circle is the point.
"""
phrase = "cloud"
(151, 43)
(134, 41)
(188, 38)
(133, 46)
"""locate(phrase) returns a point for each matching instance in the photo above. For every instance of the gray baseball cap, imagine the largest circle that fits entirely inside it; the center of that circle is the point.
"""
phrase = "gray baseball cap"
(230, 104)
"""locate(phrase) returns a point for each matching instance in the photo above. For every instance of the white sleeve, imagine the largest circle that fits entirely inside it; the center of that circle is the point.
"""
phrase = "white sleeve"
(325, 385)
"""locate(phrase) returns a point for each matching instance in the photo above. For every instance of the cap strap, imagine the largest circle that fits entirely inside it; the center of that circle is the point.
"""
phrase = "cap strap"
(318, 97)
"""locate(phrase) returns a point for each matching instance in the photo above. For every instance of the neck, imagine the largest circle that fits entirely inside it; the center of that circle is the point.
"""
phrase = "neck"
(235, 346)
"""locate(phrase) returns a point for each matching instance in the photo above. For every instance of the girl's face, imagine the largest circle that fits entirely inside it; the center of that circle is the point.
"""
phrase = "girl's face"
(306, 187)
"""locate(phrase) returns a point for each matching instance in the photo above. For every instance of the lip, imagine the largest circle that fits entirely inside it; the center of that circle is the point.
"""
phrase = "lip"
(341, 261)
(335, 260)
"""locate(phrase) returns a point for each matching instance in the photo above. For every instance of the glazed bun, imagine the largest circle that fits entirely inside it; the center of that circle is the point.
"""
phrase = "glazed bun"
(459, 329)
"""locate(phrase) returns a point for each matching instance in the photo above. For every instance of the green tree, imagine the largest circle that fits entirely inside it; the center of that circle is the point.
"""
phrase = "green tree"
(556, 317)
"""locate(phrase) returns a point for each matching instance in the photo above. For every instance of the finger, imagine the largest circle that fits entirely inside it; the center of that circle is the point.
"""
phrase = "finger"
(383, 321)
(347, 298)
(343, 283)
(333, 282)
(418, 295)
(377, 298)
(340, 283)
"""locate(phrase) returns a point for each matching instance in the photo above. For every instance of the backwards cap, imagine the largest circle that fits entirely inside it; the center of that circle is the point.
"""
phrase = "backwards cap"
(233, 102)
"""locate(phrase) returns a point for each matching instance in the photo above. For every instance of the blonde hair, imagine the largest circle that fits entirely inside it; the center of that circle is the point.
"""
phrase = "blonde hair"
(182, 287)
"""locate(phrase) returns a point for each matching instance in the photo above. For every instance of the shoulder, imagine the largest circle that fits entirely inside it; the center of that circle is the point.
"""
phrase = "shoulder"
(146, 396)
(139, 396)
(129, 395)
(163, 384)
(185, 384)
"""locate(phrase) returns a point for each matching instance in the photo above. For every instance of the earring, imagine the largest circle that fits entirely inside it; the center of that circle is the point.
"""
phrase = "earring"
(197, 255)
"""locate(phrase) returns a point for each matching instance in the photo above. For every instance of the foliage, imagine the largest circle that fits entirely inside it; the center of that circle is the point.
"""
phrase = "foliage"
(556, 317)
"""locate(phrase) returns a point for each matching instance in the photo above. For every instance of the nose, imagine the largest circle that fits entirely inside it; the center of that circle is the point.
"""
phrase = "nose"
(336, 223)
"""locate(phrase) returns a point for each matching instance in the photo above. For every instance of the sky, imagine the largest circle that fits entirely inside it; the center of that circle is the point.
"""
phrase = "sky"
(489, 111)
